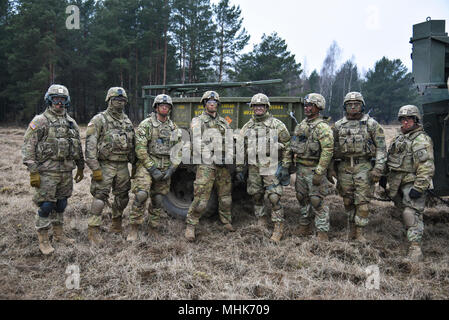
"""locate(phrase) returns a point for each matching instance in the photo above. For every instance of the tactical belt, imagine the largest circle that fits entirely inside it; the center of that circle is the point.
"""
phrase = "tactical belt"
(356, 160)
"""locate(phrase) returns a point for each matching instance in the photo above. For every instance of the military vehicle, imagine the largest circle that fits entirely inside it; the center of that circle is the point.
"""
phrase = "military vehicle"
(430, 58)
(235, 110)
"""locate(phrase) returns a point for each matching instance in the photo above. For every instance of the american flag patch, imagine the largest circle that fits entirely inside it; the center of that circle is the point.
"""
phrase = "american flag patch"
(33, 125)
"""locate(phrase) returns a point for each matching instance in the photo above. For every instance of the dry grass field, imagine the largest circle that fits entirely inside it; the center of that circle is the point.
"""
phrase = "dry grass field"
(219, 265)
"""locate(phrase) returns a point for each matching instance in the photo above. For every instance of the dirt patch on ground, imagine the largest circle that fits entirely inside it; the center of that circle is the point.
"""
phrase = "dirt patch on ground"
(219, 265)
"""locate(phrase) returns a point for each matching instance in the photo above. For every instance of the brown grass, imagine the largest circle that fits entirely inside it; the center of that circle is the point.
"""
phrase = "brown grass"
(240, 265)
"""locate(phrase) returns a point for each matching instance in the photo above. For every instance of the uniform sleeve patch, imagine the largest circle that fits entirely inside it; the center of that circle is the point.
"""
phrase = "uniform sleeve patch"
(33, 125)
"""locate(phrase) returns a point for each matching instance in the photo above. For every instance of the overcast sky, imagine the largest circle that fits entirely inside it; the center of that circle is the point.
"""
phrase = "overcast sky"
(364, 30)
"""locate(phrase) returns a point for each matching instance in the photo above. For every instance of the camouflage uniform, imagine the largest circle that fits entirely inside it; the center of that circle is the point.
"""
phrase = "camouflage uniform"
(210, 175)
(52, 147)
(110, 144)
(358, 143)
(411, 165)
(312, 145)
(154, 141)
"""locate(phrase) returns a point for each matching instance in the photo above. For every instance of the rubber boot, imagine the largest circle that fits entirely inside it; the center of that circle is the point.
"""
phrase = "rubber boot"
(304, 230)
(277, 233)
(133, 233)
(58, 235)
(359, 234)
(116, 225)
(190, 232)
(93, 234)
(414, 252)
(44, 243)
(322, 236)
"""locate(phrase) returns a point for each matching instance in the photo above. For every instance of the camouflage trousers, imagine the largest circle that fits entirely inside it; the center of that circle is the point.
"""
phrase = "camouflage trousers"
(413, 219)
(311, 198)
(115, 177)
(261, 187)
(54, 186)
(208, 176)
(356, 188)
(144, 182)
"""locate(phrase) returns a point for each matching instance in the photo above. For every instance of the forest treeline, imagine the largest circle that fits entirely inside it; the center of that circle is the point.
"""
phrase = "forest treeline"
(131, 43)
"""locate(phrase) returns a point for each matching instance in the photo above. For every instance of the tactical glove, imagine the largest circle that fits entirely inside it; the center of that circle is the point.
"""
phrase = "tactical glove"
(240, 176)
(169, 172)
(156, 174)
(283, 176)
(375, 175)
(79, 175)
(317, 179)
(97, 175)
(414, 194)
(383, 182)
(35, 179)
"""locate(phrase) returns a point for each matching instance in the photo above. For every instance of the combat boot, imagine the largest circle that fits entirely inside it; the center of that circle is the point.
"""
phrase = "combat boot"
(190, 232)
(44, 243)
(277, 233)
(93, 234)
(133, 233)
(116, 225)
(228, 227)
(322, 236)
(414, 252)
(58, 235)
(304, 230)
(359, 234)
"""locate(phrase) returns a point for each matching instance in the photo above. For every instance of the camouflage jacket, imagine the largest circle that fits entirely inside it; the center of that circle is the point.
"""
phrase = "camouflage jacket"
(207, 126)
(313, 143)
(411, 157)
(364, 138)
(154, 142)
(52, 143)
(281, 138)
(109, 138)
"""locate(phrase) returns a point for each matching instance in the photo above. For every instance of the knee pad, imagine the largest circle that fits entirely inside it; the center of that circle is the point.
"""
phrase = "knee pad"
(97, 206)
(61, 204)
(157, 201)
(141, 197)
(45, 209)
(201, 207)
(362, 211)
(409, 217)
(275, 201)
(315, 201)
(258, 198)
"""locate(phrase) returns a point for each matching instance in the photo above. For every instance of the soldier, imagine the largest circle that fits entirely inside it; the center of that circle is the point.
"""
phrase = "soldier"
(109, 147)
(312, 145)
(51, 148)
(208, 175)
(410, 171)
(261, 184)
(155, 137)
(360, 155)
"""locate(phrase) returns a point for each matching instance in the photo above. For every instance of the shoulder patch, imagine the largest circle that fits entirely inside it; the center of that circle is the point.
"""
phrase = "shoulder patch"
(33, 125)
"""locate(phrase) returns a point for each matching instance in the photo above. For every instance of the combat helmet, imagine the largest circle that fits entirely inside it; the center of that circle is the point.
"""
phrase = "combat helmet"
(116, 92)
(162, 98)
(409, 111)
(260, 99)
(354, 96)
(57, 90)
(317, 99)
(208, 95)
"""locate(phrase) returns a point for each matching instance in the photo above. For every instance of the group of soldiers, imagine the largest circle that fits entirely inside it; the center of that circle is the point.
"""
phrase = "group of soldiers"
(353, 151)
